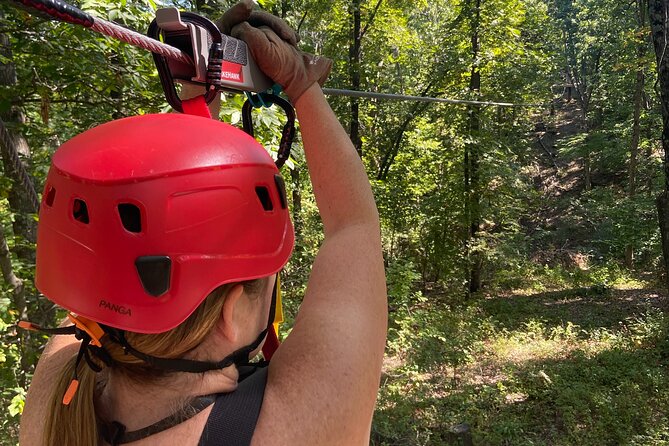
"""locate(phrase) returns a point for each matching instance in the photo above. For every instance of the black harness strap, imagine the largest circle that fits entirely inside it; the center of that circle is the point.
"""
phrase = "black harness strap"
(239, 357)
(115, 433)
(233, 418)
(234, 414)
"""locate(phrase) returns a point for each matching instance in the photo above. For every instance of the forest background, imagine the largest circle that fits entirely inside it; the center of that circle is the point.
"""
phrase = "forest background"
(526, 283)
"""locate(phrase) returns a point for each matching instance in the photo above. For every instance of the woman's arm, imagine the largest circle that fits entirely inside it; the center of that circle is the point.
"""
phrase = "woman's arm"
(324, 378)
(330, 365)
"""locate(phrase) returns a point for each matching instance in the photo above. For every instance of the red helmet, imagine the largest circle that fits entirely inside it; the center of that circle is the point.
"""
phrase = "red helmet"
(143, 217)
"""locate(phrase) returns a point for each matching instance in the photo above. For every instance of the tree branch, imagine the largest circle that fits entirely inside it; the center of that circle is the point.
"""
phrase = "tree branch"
(371, 19)
(389, 158)
(299, 26)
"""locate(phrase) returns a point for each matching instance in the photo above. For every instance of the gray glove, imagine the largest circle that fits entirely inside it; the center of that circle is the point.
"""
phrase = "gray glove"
(273, 46)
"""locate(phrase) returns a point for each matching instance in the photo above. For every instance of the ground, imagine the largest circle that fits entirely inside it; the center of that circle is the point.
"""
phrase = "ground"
(585, 366)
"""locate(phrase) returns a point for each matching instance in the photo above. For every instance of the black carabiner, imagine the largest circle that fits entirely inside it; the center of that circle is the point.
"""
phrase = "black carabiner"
(164, 73)
(288, 133)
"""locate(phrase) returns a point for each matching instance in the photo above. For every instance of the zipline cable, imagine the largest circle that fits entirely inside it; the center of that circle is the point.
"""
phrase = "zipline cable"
(139, 40)
(65, 12)
(401, 97)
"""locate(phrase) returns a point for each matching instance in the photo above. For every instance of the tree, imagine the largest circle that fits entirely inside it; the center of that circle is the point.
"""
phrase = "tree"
(658, 11)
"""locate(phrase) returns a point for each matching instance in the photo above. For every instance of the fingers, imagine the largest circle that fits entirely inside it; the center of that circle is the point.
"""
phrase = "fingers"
(279, 26)
(272, 36)
(257, 39)
(243, 11)
(235, 15)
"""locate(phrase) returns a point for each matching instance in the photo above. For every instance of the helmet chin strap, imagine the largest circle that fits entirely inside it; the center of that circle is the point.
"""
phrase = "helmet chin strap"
(239, 357)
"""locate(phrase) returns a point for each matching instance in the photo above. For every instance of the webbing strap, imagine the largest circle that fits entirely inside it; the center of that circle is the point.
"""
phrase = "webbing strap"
(239, 357)
(196, 106)
(272, 340)
(115, 433)
(234, 416)
(271, 344)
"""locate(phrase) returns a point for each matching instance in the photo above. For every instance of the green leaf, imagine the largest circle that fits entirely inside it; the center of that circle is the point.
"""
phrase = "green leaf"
(16, 405)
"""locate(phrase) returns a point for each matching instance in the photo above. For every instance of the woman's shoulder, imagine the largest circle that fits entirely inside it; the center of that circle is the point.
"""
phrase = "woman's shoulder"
(58, 352)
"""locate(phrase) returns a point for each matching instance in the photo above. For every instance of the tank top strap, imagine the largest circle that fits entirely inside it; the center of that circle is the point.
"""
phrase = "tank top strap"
(234, 416)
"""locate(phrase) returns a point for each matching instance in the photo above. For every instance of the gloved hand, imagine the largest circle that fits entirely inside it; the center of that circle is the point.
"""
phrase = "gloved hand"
(273, 46)
(243, 12)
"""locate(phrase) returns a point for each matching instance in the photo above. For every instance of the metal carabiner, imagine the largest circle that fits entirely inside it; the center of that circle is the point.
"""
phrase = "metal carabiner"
(288, 133)
(220, 62)
(190, 39)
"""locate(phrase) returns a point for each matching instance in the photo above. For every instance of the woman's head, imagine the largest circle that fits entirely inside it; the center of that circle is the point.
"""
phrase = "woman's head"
(158, 228)
(226, 319)
(144, 217)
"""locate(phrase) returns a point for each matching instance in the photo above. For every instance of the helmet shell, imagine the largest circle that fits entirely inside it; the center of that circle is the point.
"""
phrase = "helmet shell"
(198, 201)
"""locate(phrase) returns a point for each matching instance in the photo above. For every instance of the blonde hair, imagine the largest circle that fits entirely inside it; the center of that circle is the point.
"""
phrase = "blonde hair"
(76, 423)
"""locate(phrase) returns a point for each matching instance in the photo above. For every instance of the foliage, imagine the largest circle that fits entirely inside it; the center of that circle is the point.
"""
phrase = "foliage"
(542, 228)
(603, 382)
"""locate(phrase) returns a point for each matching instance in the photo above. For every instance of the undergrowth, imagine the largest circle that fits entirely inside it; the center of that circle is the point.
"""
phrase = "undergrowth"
(586, 364)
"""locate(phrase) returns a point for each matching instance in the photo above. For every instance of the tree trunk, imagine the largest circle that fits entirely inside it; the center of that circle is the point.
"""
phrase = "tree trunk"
(663, 217)
(636, 119)
(648, 156)
(471, 160)
(388, 159)
(20, 202)
(19, 302)
(581, 74)
(636, 132)
(658, 10)
(354, 74)
(587, 171)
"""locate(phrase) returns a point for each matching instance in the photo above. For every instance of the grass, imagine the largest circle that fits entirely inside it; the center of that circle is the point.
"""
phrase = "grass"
(584, 366)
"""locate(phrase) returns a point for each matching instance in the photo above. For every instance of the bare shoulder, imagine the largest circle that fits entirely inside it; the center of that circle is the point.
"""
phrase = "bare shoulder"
(58, 352)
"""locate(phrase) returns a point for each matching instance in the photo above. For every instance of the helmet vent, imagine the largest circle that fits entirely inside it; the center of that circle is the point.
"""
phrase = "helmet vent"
(154, 273)
(263, 196)
(80, 211)
(50, 195)
(131, 217)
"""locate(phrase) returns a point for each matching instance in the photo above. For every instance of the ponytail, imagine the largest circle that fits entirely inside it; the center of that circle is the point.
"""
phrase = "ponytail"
(74, 424)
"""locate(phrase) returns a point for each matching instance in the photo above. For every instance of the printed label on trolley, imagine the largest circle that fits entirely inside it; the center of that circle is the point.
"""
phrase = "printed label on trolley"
(232, 72)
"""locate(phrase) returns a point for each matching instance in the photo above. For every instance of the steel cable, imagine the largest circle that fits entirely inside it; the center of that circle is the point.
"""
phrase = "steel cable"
(140, 40)
(401, 97)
